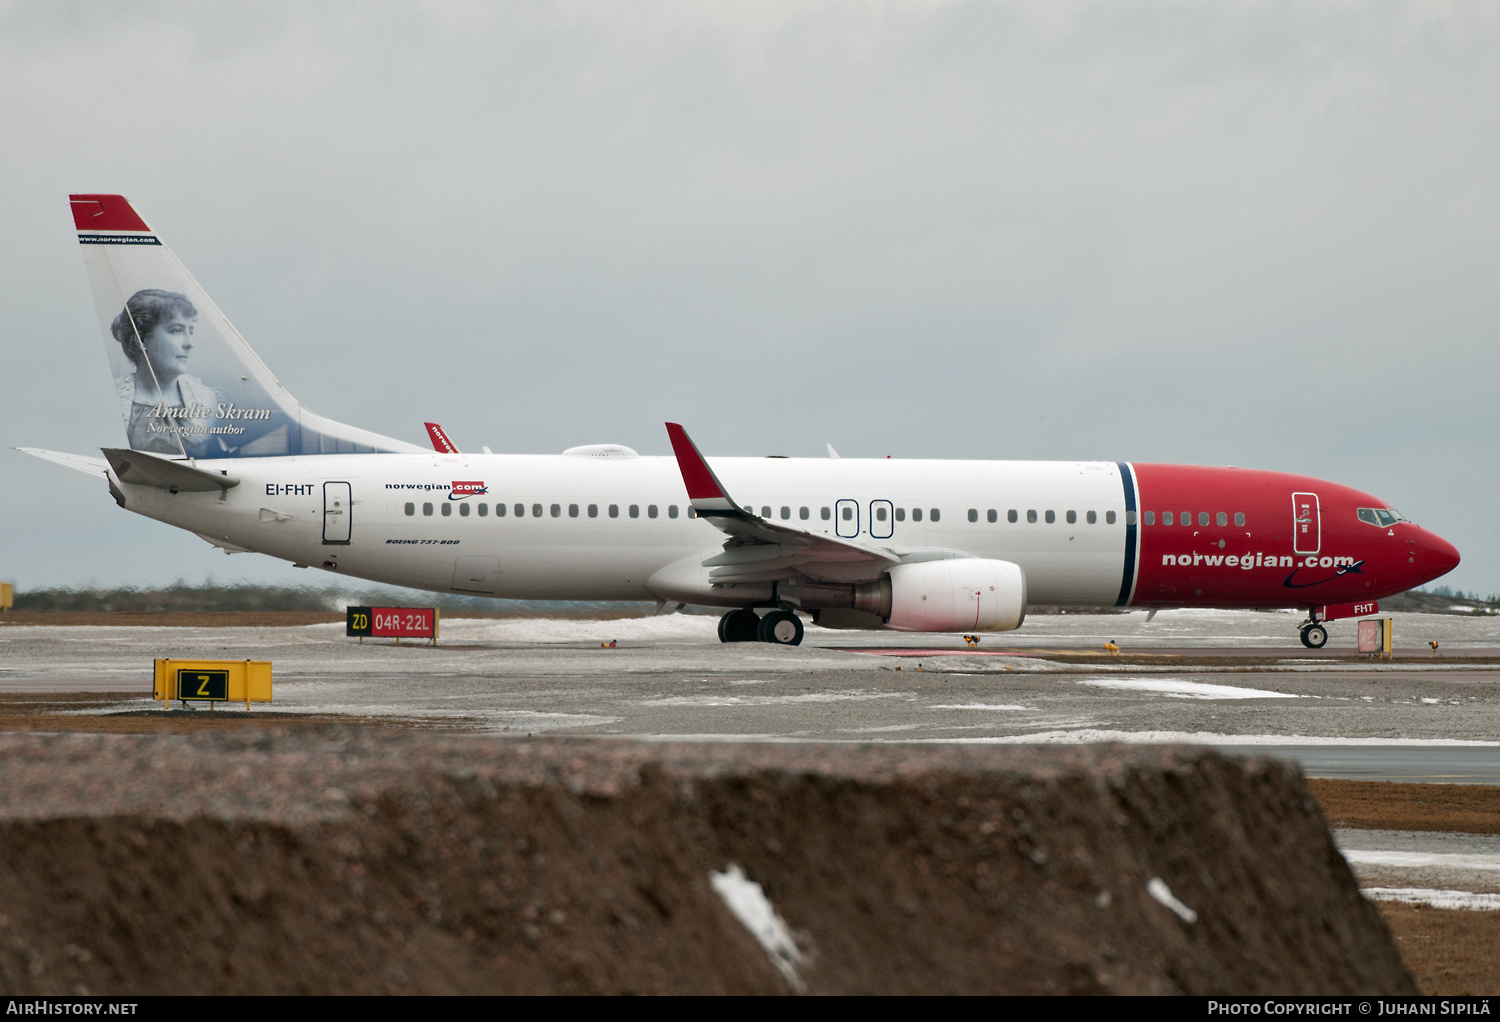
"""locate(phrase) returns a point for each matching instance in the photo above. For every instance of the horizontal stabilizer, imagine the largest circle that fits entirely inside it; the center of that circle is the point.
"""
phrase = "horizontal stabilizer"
(78, 462)
(141, 469)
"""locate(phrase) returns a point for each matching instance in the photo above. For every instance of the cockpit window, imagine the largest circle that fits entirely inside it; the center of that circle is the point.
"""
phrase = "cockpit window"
(1381, 516)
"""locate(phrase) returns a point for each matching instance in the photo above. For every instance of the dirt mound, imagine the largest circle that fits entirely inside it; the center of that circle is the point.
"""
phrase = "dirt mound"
(375, 862)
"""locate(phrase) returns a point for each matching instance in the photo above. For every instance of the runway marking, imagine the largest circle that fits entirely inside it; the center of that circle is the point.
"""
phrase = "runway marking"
(976, 706)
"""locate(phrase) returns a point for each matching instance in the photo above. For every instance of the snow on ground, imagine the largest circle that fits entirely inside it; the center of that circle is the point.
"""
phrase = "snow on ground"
(1177, 688)
(1422, 860)
(665, 628)
(1435, 898)
(1084, 736)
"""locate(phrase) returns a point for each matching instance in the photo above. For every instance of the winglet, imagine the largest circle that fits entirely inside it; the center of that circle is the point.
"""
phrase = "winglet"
(707, 494)
(440, 441)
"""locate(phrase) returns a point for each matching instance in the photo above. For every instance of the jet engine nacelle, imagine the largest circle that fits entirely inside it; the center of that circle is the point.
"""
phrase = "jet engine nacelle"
(963, 594)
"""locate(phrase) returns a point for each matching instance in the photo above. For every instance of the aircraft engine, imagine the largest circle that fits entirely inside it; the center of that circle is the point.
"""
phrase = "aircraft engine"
(963, 594)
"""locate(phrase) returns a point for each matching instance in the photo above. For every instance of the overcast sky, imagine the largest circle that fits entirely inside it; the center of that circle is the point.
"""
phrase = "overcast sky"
(1259, 234)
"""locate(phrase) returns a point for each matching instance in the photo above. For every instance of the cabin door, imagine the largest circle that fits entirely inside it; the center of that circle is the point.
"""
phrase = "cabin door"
(1307, 524)
(336, 506)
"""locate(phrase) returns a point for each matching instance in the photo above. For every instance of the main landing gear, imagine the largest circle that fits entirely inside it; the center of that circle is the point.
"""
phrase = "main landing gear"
(1314, 635)
(780, 627)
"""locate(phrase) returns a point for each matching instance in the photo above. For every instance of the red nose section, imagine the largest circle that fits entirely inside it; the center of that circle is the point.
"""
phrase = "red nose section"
(1438, 554)
(1429, 556)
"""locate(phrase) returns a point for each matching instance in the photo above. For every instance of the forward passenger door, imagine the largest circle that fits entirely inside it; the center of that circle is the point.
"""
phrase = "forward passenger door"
(336, 508)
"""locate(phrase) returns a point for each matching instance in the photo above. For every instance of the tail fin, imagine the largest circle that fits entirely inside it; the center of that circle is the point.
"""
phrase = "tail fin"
(187, 383)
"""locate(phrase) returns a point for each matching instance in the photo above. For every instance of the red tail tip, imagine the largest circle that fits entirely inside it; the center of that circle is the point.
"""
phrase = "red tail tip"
(105, 213)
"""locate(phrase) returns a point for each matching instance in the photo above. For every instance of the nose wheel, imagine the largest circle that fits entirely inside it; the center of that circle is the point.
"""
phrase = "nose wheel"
(1314, 636)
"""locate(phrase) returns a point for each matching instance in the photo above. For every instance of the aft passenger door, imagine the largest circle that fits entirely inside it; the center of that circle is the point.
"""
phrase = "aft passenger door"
(336, 507)
(1307, 524)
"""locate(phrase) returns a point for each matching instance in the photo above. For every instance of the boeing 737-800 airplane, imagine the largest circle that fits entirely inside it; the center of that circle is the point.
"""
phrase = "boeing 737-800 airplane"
(217, 446)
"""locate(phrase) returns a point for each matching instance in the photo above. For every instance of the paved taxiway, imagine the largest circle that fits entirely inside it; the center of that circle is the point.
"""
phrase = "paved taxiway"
(1238, 680)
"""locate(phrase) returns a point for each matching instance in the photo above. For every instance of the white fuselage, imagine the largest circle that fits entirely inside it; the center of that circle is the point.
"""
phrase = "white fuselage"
(398, 531)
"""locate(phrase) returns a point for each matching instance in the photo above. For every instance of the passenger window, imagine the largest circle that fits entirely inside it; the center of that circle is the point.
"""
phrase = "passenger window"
(901, 514)
(1011, 516)
(556, 510)
(765, 512)
(991, 516)
(520, 510)
(650, 510)
(447, 510)
(880, 513)
(1166, 518)
(692, 511)
(1109, 518)
(593, 510)
(635, 510)
(614, 510)
(1072, 517)
(411, 509)
(1129, 517)
(973, 514)
(1093, 516)
(804, 513)
(786, 513)
(1202, 518)
(1187, 518)
(671, 510)
(826, 514)
(1031, 517)
(484, 510)
(1051, 516)
(499, 510)
(848, 514)
(1239, 519)
(536, 510)
(916, 514)
(572, 510)
(936, 514)
(463, 510)
(1222, 519)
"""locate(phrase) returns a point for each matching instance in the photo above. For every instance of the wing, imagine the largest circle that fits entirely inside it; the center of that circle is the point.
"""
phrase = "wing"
(760, 550)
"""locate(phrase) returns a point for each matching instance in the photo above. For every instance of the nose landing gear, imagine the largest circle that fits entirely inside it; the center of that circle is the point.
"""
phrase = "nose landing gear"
(1314, 635)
